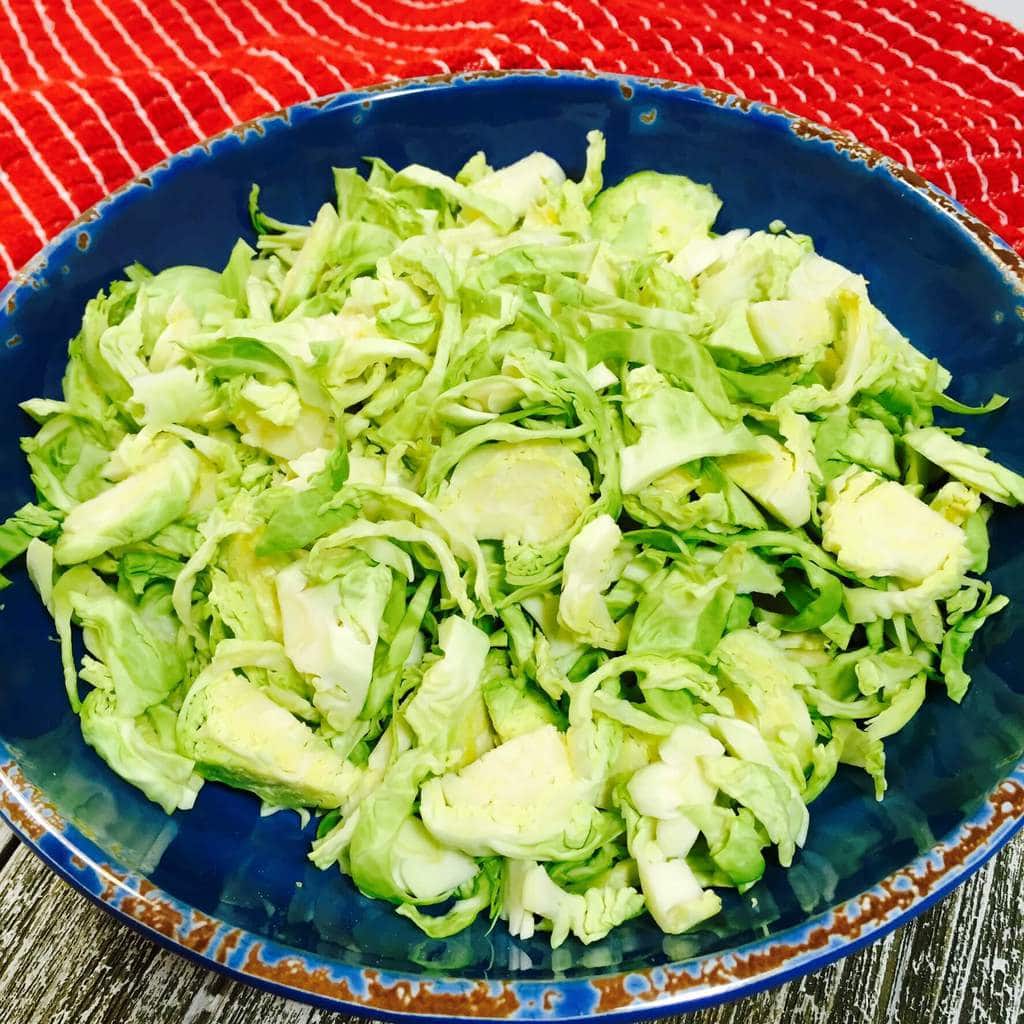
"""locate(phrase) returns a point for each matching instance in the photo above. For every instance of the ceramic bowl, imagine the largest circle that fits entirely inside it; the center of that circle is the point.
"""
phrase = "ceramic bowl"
(234, 890)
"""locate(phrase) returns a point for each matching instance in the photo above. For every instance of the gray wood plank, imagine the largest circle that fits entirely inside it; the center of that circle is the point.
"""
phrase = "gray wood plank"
(63, 960)
(8, 844)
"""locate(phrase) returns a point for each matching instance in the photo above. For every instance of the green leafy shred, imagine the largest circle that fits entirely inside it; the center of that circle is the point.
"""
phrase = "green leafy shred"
(557, 549)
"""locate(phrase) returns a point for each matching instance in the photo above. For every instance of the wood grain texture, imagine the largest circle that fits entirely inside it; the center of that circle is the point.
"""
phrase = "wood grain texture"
(64, 960)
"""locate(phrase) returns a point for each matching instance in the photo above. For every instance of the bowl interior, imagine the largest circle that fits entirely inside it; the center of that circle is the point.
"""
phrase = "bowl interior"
(927, 273)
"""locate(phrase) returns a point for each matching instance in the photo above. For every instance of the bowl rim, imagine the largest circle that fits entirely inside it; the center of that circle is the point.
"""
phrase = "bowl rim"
(692, 984)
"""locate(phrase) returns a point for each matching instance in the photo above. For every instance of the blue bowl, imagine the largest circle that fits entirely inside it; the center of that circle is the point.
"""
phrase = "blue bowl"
(234, 890)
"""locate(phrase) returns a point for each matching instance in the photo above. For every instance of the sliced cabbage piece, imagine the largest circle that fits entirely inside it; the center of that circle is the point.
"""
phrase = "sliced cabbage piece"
(877, 527)
(179, 394)
(815, 277)
(653, 212)
(515, 707)
(758, 270)
(132, 509)
(968, 463)
(672, 893)
(768, 796)
(588, 571)
(330, 633)
(521, 799)
(676, 782)
(237, 734)
(784, 328)
(142, 750)
(529, 493)
(589, 916)
(675, 428)
(771, 476)
(391, 855)
(766, 688)
(699, 254)
(447, 712)
(521, 184)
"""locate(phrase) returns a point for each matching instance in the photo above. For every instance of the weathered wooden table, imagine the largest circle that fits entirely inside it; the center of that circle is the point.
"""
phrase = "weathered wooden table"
(62, 961)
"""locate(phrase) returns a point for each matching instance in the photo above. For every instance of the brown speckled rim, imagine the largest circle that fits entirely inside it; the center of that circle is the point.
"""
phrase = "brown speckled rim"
(690, 984)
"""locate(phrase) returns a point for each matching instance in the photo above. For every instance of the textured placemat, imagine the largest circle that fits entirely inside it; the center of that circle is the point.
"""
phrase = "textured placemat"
(94, 91)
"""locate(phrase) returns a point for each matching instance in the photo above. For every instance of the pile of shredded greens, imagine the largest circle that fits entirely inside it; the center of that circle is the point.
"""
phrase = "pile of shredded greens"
(553, 547)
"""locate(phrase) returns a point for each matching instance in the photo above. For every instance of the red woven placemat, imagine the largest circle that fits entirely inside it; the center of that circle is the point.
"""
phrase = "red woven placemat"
(93, 91)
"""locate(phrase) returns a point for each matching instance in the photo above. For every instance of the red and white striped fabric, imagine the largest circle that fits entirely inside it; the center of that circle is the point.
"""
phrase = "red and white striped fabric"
(93, 91)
